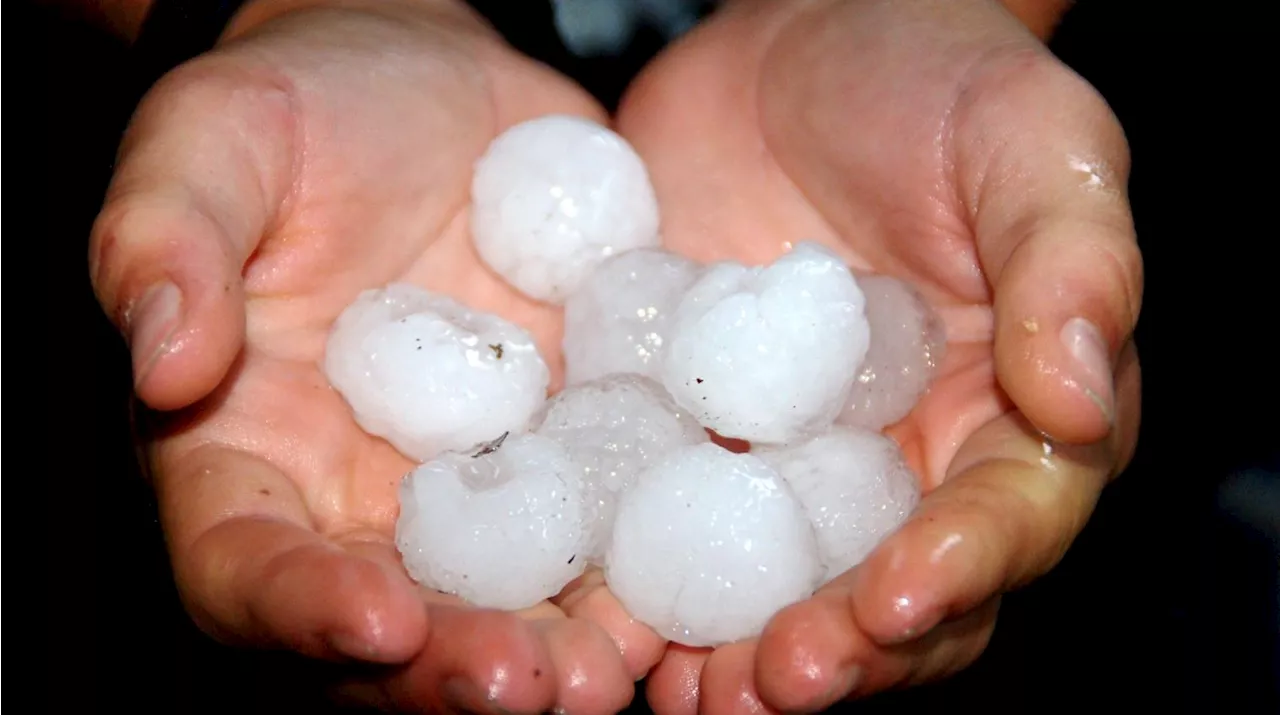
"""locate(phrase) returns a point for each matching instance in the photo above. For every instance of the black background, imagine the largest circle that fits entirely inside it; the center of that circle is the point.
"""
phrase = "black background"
(1168, 600)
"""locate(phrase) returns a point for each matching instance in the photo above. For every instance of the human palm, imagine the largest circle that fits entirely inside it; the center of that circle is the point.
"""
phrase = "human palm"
(948, 148)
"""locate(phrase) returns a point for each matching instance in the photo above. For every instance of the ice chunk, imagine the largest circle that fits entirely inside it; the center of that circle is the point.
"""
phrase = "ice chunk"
(708, 545)
(768, 354)
(553, 197)
(615, 427)
(907, 344)
(500, 530)
(618, 320)
(855, 486)
(428, 374)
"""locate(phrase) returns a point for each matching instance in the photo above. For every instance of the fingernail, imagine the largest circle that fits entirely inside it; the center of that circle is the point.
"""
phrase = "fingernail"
(151, 325)
(1093, 371)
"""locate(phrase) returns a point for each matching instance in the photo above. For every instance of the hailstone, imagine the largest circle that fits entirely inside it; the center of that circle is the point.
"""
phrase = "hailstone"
(768, 354)
(430, 375)
(555, 196)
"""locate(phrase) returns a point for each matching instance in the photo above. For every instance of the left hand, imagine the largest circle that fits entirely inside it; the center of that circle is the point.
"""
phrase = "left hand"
(943, 144)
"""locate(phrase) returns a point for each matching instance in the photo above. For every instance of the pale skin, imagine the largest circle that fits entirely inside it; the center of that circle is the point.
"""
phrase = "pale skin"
(326, 148)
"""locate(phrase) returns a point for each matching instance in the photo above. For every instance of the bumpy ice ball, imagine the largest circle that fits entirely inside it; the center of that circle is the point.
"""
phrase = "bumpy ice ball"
(768, 354)
(855, 486)
(908, 340)
(708, 545)
(555, 196)
(615, 427)
(500, 527)
(428, 374)
(618, 320)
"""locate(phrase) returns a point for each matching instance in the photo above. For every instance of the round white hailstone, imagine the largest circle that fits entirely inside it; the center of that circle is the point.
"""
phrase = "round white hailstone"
(428, 374)
(614, 428)
(855, 486)
(553, 197)
(500, 530)
(908, 341)
(618, 320)
(708, 545)
(768, 354)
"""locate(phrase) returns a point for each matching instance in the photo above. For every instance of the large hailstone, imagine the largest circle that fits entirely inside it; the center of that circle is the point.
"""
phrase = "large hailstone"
(500, 527)
(908, 340)
(708, 545)
(768, 354)
(555, 196)
(614, 428)
(618, 321)
(429, 374)
(855, 486)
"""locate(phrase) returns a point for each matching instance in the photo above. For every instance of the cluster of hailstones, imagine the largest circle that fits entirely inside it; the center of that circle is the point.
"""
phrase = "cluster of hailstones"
(516, 494)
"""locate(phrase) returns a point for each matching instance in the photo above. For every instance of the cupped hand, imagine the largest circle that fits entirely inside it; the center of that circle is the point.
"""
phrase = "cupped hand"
(322, 149)
(943, 144)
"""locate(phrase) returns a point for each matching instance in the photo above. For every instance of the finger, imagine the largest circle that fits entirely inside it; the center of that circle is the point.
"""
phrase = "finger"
(508, 664)
(475, 661)
(1044, 167)
(589, 673)
(813, 654)
(673, 686)
(253, 571)
(203, 171)
(728, 684)
(948, 649)
(1012, 503)
(589, 599)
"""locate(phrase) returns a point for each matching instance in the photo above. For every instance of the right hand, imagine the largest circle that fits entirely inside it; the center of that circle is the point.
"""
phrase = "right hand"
(322, 149)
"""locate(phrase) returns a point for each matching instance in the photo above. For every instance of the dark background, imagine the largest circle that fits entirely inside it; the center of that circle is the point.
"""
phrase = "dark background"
(1167, 601)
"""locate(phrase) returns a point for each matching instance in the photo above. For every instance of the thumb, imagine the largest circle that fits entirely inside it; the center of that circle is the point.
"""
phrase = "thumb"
(1046, 166)
(202, 172)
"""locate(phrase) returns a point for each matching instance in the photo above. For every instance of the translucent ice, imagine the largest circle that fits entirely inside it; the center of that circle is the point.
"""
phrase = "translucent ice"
(907, 344)
(708, 545)
(768, 354)
(618, 320)
(500, 530)
(855, 486)
(615, 427)
(553, 197)
(428, 374)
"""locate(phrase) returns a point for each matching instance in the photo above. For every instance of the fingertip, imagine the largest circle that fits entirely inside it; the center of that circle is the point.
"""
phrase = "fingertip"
(641, 647)
(326, 603)
(162, 272)
(391, 627)
(189, 355)
(895, 596)
(806, 659)
(728, 681)
(1067, 400)
(673, 687)
(590, 675)
(503, 665)
(1067, 300)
